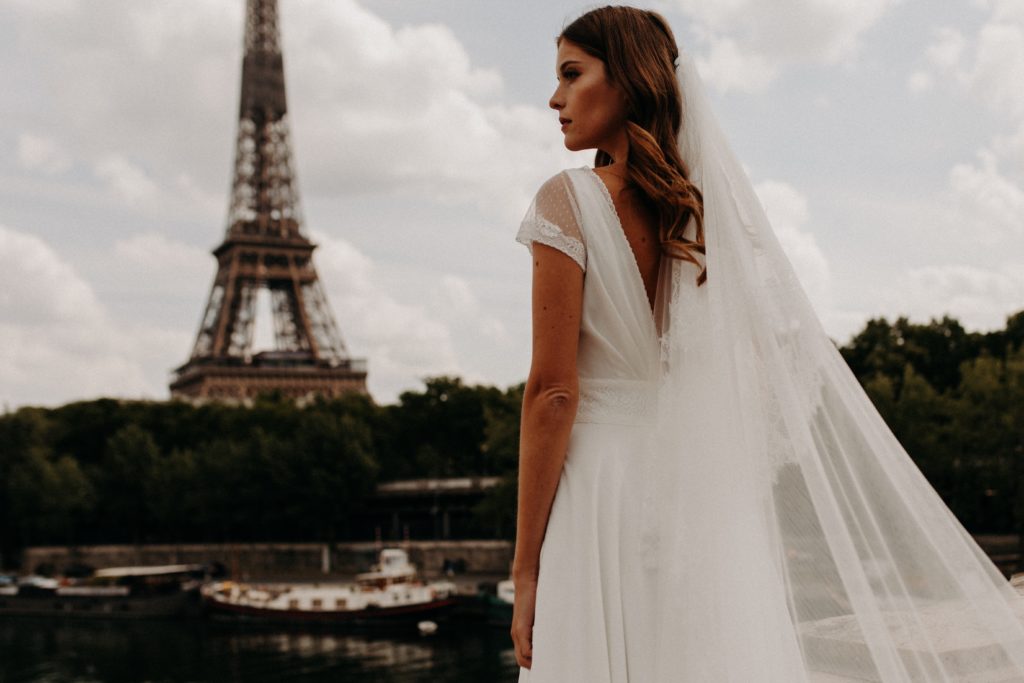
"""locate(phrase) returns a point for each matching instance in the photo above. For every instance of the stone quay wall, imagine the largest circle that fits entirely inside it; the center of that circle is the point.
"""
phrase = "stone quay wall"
(311, 561)
(282, 561)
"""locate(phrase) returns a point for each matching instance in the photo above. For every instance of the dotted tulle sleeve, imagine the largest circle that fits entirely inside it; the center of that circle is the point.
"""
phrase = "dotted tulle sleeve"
(554, 219)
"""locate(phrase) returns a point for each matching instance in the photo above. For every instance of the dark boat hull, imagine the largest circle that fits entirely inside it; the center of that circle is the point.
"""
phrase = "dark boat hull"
(380, 617)
(185, 603)
(484, 608)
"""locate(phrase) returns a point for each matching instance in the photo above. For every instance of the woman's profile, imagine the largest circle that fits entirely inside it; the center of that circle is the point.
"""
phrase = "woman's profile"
(705, 492)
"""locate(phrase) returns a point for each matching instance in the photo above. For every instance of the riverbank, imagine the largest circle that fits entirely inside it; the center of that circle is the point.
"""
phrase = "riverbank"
(284, 561)
(484, 558)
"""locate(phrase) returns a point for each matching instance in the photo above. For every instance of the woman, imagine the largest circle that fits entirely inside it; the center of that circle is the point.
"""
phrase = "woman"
(705, 492)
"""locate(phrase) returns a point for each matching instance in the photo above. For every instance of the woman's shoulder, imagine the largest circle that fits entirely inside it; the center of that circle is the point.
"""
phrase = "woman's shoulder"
(554, 217)
(560, 185)
(568, 173)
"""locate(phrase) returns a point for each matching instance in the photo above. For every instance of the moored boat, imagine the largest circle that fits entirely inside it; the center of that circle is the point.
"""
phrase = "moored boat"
(497, 601)
(390, 594)
(115, 592)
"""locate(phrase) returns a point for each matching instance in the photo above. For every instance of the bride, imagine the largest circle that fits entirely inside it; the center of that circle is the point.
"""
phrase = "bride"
(706, 494)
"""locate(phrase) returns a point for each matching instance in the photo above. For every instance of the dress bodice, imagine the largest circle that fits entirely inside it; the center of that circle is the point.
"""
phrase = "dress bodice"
(618, 356)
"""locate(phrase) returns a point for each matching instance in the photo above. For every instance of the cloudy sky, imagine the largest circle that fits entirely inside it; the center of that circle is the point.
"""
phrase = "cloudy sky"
(885, 138)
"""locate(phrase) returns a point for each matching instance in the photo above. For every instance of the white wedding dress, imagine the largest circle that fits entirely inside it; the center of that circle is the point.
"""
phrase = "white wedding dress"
(595, 597)
(732, 508)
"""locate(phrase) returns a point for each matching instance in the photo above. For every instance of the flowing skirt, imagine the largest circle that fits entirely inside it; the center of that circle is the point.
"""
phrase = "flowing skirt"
(596, 605)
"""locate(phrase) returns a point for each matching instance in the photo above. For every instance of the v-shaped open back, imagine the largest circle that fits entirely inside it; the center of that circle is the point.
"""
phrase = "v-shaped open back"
(618, 329)
(652, 305)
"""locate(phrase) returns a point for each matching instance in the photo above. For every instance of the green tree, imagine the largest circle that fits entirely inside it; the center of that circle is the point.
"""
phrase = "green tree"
(72, 498)
(934, 350)
(441, 428)
(920, 419)
(125, 477)
(334, 470)
(497, 510)
(171, 494)
(985, 446)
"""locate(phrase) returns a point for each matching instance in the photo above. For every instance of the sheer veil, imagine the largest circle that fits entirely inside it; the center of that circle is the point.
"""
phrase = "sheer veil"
(795, 538)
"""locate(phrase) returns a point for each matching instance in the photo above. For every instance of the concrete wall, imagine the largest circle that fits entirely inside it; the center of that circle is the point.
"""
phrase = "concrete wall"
(265, 561)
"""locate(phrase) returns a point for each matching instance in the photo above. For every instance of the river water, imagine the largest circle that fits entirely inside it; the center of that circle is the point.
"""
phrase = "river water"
(50, 651)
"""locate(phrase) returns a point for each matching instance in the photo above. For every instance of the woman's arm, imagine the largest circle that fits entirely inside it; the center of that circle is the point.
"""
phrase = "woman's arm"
(549, 400)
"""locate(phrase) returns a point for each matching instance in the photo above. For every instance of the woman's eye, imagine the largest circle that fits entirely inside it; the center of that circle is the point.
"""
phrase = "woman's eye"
(569, 75)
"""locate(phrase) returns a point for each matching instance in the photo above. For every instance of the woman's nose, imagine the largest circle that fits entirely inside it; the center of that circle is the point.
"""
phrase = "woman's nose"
(556, 101)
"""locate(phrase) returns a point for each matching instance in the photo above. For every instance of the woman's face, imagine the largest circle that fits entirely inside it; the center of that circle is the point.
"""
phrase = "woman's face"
(590, 108)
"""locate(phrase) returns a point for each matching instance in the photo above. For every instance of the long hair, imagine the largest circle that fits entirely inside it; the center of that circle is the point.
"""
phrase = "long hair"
(639, 53)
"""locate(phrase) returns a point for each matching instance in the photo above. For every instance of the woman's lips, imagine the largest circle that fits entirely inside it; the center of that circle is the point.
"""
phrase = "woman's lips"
(564, 122)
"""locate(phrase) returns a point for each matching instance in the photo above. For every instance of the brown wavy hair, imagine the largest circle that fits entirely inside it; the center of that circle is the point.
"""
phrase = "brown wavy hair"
(639, 53)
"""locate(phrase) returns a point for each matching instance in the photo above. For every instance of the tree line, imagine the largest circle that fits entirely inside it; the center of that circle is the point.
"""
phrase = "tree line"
(114, 471)
(955, 400)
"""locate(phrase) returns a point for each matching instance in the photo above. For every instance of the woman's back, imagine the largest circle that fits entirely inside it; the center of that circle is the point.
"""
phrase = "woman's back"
(618, 339)
(639, 225)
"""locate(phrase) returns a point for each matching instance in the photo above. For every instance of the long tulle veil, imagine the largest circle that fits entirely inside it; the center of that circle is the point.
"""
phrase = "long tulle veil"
(794, 538)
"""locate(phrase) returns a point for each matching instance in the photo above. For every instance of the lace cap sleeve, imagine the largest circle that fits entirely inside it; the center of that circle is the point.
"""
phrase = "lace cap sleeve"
(554, 219)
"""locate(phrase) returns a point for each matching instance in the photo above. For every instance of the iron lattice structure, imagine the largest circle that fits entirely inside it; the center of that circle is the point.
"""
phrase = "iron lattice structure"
(265, 249)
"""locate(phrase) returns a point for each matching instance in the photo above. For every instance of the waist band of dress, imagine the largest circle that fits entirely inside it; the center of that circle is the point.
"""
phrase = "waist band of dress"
(617, 401)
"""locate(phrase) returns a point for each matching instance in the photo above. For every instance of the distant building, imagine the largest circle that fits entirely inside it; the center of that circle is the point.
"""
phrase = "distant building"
(425, 509)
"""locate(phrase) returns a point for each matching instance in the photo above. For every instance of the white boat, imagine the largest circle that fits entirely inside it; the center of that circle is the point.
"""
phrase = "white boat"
(390, 592)
(507, 591)
(136, 591)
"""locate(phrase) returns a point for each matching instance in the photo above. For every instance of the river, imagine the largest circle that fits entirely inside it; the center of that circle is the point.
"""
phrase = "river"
(55, 651)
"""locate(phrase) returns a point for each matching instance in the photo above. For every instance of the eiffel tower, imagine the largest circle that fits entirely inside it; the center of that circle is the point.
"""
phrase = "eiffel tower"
(265, 249)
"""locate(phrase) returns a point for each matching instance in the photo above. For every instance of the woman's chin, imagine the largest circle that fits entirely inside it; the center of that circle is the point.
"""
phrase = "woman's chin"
(575, 145)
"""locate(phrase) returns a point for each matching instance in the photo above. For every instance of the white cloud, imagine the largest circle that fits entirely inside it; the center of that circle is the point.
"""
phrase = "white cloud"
(988, 65)
(986, 195)
(40, 288)
(151, 263)
(979, 298)
(455, 295)
(401, 340)
(128, 183)
(768, 36)
(987, 200)
(46, 7)
(374, 108)
(1005, 10)
(56, 341)
(729, 68)
(137, 80)
(919, 81)
(436, 327)
(788, 213)
(454, 301)
(1011, 147)
(407, 111)
(947, 47)
(998, 69)
(40, 153)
